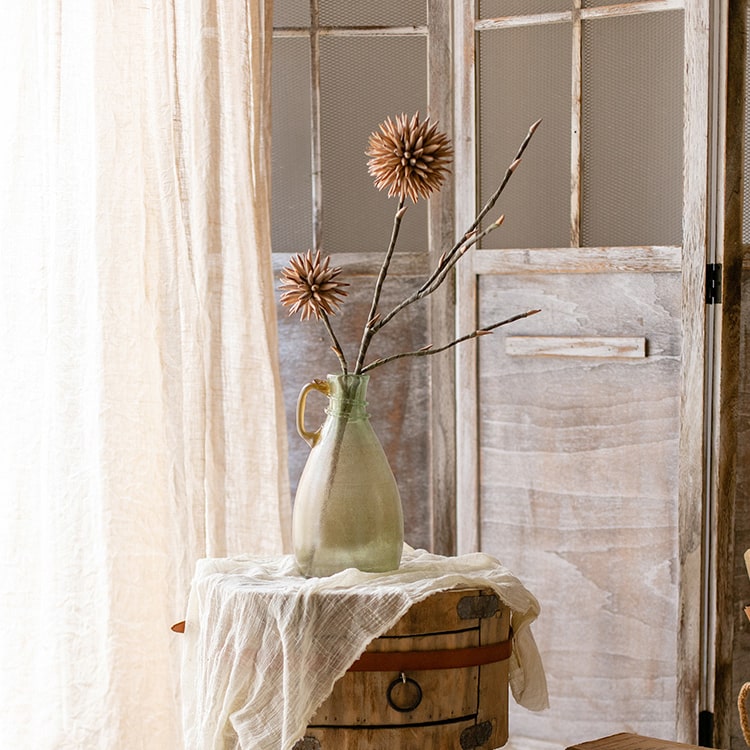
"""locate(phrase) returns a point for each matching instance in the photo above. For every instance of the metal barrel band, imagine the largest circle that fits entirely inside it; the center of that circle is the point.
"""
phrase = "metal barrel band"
(415, 661)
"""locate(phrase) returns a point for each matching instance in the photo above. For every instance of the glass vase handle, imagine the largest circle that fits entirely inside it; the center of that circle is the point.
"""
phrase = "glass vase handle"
(310, 437)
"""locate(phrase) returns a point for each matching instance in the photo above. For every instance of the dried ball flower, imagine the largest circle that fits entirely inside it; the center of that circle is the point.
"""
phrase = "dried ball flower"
(310, 286)
(408, 157)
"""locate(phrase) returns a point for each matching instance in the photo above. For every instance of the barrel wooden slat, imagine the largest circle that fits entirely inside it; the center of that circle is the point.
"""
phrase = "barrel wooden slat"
(435, 737)
(458, 706)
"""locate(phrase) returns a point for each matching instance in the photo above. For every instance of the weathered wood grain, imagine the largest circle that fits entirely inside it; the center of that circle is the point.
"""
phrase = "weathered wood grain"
(692, 468)
(738, 625)
(579, 476)
(442, 430)
(591, 473)
(467, 487)
(651, 259)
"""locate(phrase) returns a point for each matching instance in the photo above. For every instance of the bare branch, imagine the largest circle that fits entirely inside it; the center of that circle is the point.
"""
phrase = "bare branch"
(336, 346)
(369, 331)
(470, 238)
(427, 350)
(426, 289)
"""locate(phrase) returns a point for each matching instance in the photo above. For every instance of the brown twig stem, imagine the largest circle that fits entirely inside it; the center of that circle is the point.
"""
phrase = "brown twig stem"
(371, 326)
(427, 350)
(451, 254)
(336, 346)
(475, 239)
(436, 279)
(508, 173)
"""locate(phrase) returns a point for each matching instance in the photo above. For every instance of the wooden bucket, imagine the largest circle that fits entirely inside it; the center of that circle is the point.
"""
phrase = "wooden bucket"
(437, 680)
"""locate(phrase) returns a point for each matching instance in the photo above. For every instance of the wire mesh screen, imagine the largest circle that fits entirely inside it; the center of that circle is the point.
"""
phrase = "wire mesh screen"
(501, 8)
(363, 81)
(381, 13)
(632, 130)
(291, 212)
(525, 74)
(291, 13)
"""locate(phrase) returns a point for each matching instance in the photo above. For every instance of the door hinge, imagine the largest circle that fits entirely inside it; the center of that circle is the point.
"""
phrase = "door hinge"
(713, 283)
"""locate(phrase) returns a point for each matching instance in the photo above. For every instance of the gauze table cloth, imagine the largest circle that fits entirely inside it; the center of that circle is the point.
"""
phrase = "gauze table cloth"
(264, 646)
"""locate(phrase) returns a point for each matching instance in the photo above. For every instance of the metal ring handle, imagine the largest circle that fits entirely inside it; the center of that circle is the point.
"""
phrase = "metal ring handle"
(400, 681)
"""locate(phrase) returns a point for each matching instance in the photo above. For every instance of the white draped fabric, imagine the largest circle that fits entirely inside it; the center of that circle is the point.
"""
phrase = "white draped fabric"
(142, 425)
(258, 656)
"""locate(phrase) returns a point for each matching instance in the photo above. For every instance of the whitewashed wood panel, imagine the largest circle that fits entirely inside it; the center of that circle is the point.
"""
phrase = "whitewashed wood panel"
(442, 429)
(578, 475)
(652, 259)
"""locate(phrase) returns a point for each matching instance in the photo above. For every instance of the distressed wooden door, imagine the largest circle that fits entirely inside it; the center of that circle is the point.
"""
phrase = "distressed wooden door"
(581, 429)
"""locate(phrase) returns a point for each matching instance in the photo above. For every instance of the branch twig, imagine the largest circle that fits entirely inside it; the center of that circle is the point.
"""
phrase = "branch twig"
(470, 238)
(427, 350)
(370, 328)
(336, 346)
(489, 204)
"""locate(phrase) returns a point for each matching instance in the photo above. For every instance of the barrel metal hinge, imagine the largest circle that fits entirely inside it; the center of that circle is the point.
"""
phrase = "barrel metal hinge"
(477, 607)
(476, 736)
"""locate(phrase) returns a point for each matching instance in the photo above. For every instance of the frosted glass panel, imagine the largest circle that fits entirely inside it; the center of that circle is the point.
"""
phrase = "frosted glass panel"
(291, 202)
(632, 130)
(524, 74)
(363, 81)
(500, 8)
(291, 13)
(381, 13)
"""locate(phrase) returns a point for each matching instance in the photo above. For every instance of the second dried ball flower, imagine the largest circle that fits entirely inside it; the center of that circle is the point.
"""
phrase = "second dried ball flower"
(310, 287)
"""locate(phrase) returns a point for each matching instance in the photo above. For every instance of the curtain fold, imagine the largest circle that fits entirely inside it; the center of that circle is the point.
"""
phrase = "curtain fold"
(142, 423)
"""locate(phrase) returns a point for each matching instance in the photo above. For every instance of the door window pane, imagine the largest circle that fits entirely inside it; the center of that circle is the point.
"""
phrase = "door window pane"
(524, 74)
(291, 13)
(363, 81)
(291, 202)
(500, 8)
(381, 13)
(632, 130)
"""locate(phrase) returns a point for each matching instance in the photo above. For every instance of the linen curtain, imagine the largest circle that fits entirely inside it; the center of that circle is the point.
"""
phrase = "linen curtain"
(142, 423)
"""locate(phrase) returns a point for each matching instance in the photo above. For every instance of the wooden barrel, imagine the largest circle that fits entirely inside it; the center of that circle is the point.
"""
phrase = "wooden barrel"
(437, 680)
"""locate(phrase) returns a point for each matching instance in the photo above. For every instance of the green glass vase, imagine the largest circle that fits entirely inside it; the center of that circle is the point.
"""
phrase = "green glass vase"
(347, 508)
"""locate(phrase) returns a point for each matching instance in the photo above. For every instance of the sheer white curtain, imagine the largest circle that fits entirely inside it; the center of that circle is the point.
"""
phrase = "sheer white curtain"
(141, 425)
